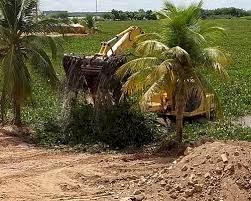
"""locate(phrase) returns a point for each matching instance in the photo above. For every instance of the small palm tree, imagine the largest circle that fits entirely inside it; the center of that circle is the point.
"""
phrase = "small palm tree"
(22, 51)
(91, 24)
(172, 62)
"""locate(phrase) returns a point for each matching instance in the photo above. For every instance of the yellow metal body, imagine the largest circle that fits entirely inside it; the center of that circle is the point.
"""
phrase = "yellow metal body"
(125, 40)
(120, 42)
(159, 104)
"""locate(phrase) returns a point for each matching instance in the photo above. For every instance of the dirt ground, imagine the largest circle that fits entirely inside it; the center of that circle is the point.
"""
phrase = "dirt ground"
(214, 171)
(30, 173)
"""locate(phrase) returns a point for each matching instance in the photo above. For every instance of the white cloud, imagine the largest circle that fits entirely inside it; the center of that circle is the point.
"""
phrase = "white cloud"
(105, 5)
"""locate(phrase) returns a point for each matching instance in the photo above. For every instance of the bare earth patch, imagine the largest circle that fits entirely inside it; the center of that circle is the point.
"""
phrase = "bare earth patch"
(213, 171)
(30, 173)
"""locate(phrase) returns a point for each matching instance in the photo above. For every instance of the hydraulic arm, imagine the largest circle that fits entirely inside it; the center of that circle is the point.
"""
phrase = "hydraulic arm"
(120, 43)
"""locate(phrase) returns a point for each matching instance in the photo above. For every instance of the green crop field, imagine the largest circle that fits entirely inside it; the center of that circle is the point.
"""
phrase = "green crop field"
(235, 92)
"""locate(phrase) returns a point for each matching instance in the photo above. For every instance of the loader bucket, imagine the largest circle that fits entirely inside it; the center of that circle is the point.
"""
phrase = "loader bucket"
(92, 73)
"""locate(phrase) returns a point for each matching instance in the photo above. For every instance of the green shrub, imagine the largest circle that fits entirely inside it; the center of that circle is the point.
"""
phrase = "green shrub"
(118, 127)
(121, 126)
(49, 134)
(79, 127)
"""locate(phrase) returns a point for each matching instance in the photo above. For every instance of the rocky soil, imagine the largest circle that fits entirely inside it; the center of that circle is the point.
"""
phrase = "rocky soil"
(213, 171)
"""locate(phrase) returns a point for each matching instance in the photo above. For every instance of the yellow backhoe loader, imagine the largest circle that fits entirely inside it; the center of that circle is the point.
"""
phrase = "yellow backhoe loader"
(97, 75)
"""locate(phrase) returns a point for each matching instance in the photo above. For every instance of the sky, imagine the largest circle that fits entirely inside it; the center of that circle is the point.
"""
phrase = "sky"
(107, 5)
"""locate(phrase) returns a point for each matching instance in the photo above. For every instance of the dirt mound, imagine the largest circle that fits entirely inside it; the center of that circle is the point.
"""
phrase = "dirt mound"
(214, 171)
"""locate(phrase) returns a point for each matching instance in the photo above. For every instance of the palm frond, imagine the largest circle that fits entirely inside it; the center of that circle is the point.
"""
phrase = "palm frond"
(197, 37)
(53, 46)
(45, 42)
(16, 76)
(150, 48)
(169, 7)
(211, 29)
(165, 68)
(216, 59)
(181, 55)
(163, 15)
(29, 8)
(136, 82)
(148, 36)
(192, 14)
(136, 65)
(41, 62)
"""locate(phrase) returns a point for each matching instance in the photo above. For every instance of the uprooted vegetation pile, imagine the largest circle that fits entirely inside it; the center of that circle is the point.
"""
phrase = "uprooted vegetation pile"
(213, 171)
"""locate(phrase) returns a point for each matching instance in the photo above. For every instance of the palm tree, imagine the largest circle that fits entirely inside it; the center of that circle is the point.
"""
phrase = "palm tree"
(22, 51)
(90, 23)
(173, 62)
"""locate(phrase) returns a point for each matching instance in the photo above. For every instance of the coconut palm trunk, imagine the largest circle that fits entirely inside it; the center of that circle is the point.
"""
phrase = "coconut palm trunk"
(179, 109)
(17, 113)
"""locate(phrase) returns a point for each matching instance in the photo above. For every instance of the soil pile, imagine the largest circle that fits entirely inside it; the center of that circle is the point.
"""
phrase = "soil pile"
(214, 171)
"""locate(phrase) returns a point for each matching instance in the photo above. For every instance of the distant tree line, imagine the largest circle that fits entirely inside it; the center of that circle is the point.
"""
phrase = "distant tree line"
(144, 15)
(61, 16)
(130, 15)
(225, 12)
(150, 15)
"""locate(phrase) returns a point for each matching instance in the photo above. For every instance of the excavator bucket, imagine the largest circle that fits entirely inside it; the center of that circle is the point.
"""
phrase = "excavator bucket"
(92, 73)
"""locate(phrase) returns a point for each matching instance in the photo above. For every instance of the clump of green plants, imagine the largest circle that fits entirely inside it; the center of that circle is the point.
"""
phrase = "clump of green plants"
(90, 23)
(76, 127)
(121, 126)
(117, 127)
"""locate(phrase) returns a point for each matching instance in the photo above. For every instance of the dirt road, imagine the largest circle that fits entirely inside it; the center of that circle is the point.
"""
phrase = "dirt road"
(30, 173)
